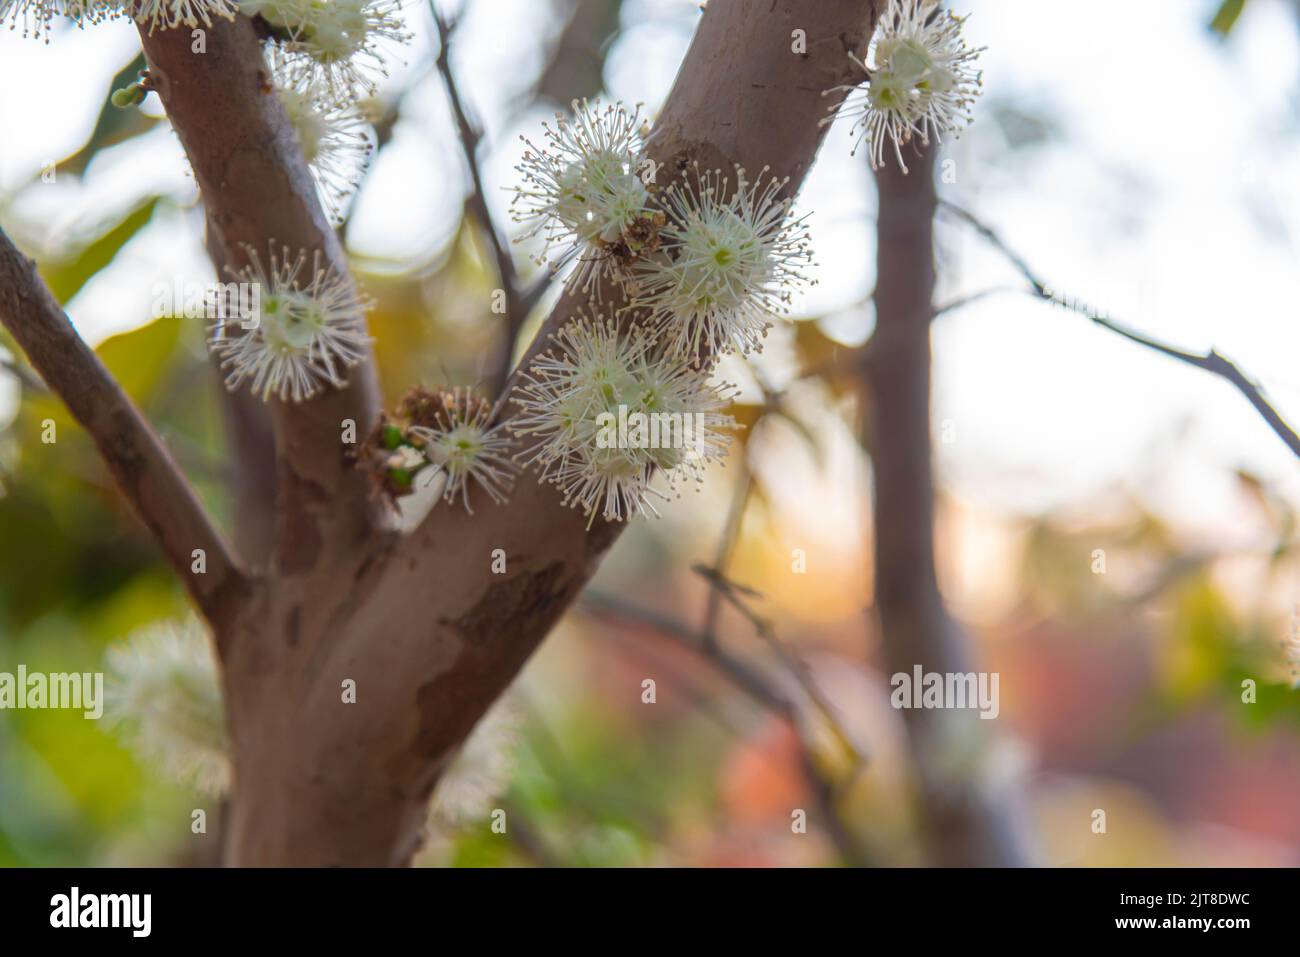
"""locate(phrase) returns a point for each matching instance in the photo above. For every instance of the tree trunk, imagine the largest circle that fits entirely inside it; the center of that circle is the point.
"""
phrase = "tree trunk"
(965, 823)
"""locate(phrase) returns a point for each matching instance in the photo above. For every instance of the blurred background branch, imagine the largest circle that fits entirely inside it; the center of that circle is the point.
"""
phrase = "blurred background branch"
(23, 374)
(519, 298)
(768, 692)
(964, 825)
(1211, 361)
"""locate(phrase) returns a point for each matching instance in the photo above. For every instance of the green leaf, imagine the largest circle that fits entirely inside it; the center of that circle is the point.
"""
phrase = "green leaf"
(66, 278)
(140, 359)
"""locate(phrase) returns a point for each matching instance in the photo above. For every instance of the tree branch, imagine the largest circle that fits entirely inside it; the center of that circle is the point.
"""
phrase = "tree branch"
(258, 191)
(517, 305)
(756, 685)
(764, 691)
(742, 97)
(1211, 361)
(140, 463)
(961, 302)
(727, 545)
(734, 595)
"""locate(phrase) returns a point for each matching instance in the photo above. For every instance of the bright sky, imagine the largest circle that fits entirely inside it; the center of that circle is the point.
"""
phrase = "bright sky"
(1171, 198)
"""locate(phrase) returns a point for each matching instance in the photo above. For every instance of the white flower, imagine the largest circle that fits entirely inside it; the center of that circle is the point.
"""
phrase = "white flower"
(729, 261)
(309, 331)
(481, 770)
(334, 138)
(589, 364)
(605, 409)
(585, 195)
(467, 448)
(668, 384)
(36, 15)
(167, 14)
(922, 82)
(164, 693)
(337, 47)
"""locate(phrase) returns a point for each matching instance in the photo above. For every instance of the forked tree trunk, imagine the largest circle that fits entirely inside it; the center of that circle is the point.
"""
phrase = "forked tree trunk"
(355, 657)
(420, 623)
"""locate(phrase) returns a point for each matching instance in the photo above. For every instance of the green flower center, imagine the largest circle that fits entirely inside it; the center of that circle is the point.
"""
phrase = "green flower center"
(290, 322)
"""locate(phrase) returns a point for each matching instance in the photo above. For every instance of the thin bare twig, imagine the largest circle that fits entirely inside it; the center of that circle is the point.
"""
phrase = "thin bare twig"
(26, 376)
(961, 302)
(384, 122)
(471, 137)
(735, 595)
(765, 692)
(727, 545)
(744, 675)
(724, 589)
(1211, 361)
(519, 301)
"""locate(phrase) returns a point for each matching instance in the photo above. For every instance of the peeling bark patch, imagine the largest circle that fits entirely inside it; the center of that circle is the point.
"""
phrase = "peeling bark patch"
(306, 489)
(300, 543)
(300, 536)
(502, 629)
(516, 602)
